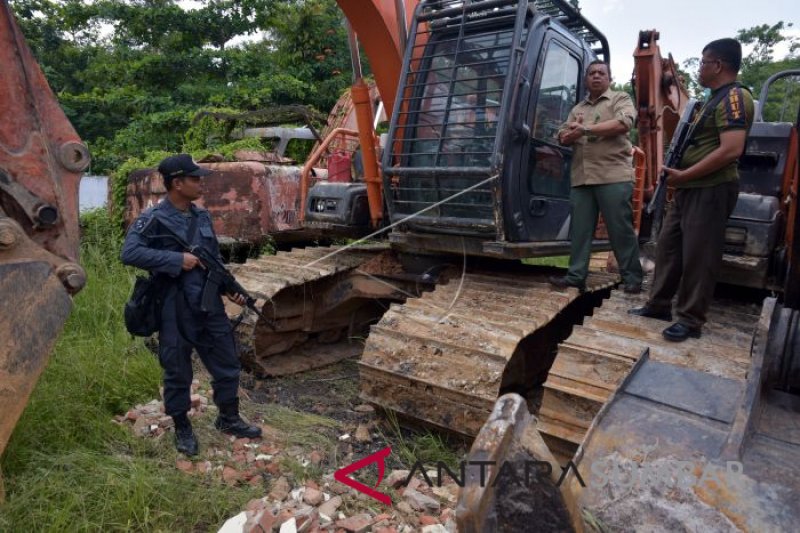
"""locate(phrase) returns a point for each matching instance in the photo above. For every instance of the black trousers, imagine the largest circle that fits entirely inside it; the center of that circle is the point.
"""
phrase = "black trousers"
(689, 251)
(212, 336)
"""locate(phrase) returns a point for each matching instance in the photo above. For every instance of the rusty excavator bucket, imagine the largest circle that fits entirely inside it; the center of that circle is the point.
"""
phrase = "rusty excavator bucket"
(41, 161)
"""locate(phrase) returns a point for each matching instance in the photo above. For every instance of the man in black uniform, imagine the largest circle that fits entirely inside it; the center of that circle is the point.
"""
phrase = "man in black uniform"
(148, 245)
(690, 246)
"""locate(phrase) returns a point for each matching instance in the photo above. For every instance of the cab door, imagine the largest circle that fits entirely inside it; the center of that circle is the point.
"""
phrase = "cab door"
(544, 180)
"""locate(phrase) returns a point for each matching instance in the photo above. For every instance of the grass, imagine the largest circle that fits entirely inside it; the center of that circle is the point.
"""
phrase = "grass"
(301, 429)
(425, 446)
(67, 466)
(561, 261)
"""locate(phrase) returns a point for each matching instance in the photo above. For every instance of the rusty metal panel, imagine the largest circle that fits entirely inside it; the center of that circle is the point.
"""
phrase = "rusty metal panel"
(248, 200)
(696, 392)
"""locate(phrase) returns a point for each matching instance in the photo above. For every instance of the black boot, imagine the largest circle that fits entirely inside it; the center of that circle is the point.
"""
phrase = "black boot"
(231, 423)
(185, 441)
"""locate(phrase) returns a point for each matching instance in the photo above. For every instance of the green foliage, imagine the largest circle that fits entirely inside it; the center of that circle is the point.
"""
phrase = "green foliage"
(68, 467)
(783, 99)
(757, 65)
(425, 446)
(133, 90)
(119, 183)
(206, 132)
(561, 261)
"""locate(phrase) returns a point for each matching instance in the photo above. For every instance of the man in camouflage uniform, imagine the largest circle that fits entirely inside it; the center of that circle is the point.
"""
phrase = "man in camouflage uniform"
(690, 246)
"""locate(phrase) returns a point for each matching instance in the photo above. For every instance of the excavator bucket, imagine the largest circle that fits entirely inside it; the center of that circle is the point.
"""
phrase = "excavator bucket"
(33, 307)
(524, 481)
(41, 161)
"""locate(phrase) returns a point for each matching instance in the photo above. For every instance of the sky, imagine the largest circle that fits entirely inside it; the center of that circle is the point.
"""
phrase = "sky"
(685, 26)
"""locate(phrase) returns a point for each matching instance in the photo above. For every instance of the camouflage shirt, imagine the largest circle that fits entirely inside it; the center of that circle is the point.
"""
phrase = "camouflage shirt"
(734, 112)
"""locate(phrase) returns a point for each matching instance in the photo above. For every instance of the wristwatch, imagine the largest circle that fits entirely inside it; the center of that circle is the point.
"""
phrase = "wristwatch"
(586, 131)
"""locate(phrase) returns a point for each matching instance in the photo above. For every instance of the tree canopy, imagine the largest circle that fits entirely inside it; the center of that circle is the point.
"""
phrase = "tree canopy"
(131, 74)
(759, 63)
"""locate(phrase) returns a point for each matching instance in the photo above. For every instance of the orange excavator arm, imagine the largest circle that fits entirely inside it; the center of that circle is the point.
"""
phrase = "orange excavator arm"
(380, 27)
(41, 161)
(660, 100)
(376, 22)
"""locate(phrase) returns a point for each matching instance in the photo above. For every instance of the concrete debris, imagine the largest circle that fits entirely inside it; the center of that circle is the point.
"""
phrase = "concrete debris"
(301, 506)
(437, 528)
(419, 501)
(290, 526)
(280, 490)
(396, 478)
(305, 505)
(331, 506)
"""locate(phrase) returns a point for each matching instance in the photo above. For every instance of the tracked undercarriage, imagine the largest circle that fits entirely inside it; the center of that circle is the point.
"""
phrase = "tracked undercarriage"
(315, 296)
(442, 354)
(445, 343)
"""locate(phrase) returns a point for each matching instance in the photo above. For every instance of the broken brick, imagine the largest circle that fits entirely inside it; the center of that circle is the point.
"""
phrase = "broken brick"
(184, 466)
(355, 524)
(230, 475)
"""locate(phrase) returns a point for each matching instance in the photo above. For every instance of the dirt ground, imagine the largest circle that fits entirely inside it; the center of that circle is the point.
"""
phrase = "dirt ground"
(332, 392)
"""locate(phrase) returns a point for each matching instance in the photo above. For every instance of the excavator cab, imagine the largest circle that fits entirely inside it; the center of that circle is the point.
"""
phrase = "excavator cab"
(756, 250)
(472, 148)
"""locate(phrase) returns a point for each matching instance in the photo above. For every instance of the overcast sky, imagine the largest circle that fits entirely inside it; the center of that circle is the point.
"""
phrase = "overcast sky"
(685, 25)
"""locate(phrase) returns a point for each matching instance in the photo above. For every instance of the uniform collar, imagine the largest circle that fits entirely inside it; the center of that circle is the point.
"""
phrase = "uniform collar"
(170, 210)
(606, 95)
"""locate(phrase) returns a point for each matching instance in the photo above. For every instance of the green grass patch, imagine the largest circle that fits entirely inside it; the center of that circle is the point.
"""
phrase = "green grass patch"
(561, 261)
(412, 446)
(67, 466)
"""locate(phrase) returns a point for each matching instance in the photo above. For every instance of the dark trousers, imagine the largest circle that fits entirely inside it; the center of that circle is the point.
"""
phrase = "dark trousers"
(212, 336)
(613, 200)
(689, 251)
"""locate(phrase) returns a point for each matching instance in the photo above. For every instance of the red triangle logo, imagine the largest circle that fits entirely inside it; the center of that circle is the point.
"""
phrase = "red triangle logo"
(377, 457)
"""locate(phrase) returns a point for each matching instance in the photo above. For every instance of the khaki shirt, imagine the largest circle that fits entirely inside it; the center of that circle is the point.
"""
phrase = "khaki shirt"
(601, 160)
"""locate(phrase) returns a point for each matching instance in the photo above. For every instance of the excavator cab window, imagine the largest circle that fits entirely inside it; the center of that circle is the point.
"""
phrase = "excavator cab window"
(557, 94)
(459, 108)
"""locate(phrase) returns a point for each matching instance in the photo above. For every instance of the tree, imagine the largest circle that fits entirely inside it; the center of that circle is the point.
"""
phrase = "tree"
(759, 63)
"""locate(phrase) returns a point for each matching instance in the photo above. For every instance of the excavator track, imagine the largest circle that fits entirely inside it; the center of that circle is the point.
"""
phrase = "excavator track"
(443, 359)
(595, 359)
(301, 294)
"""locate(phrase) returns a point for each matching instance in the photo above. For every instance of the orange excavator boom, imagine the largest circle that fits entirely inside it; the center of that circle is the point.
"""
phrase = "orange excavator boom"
(41, 162)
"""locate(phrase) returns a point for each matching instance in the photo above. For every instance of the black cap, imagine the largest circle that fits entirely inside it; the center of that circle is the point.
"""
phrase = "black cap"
(179, 166)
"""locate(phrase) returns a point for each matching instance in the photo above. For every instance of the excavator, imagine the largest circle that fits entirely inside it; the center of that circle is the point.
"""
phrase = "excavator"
(468, 181)
(460, 333)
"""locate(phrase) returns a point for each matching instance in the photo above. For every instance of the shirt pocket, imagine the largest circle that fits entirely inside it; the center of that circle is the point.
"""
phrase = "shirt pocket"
(207, 234)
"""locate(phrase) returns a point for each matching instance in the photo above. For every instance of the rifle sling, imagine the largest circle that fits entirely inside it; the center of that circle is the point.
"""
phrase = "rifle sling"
(708, 109)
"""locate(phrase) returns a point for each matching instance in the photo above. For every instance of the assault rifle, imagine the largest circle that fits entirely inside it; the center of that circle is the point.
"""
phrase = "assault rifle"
(218, 279)
(677, 147)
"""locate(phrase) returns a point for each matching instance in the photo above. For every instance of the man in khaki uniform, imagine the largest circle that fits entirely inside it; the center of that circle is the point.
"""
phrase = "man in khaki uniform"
(690, 246)
(602, 179)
